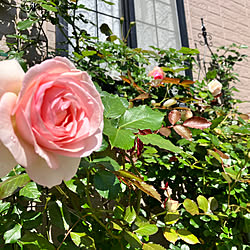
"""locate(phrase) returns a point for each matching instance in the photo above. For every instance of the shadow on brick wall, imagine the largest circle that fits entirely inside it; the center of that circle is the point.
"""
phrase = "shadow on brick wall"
(8, 17)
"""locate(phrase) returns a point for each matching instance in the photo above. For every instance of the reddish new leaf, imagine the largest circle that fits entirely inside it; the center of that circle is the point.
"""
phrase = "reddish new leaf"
(222, 155)
(174, 116)
(197, 122)
(165, 131)
(183, 131)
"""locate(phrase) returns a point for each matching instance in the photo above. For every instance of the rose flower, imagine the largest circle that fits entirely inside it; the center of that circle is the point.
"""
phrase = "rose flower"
(157, 73)
(215, 87)
(50, 118)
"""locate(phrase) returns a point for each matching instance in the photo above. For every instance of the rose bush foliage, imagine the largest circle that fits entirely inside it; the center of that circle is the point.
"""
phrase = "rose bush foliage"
(172, 171)
(50, 118)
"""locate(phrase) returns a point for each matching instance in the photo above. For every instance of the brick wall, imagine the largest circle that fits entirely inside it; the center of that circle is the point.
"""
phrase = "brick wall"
(228, 21)
(9, 17)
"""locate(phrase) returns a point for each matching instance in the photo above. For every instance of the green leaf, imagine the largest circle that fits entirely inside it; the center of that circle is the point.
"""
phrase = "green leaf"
(4, 206)
(114, 106)
(36, 241)
(49, 7)
(171, 217)
(55, 215)
(147, 229)
(152, 246)
(217, 121)
(13, 235)
(188, 51)
(108, 2)
(83, 241)
(160, 142)
(130, 215)
(203, 203)
(213, 203)
(211, 74)
(112, 38)
(9, 186)
(106, 30)
(215, 155)
(86, 53)
(214, 140)
(108, 163)
(23, 25)
(132, 239)
(187, 236)
(141, 117)
(226, 177)
(121, 138)
(107, 184)
(191, 206)
(171, 235)
(30, 191)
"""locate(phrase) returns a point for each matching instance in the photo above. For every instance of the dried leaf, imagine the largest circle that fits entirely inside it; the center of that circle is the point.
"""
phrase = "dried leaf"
(183, 131)
(171, 80)
(186, 83)
(165, 131)
(148, 189)
(197, 122)
(125, 79)
(174, 116)
(141, 97)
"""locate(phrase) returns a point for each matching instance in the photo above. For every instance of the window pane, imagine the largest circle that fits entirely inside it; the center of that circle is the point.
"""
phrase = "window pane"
(157, 24)
(112, 10)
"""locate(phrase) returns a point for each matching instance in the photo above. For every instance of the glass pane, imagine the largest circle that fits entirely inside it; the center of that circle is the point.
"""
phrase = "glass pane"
(91, 4)
(147, 35)
(157, 24)
(144, 10)
(164, 16)
(167, 39)
(112, 10)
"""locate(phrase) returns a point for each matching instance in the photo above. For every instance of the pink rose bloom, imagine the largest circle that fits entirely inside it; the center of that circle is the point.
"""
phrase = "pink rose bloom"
(56, 119)
(157, 73)
(215, 87)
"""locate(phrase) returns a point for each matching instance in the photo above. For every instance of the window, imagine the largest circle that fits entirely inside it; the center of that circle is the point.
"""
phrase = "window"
(160, 23)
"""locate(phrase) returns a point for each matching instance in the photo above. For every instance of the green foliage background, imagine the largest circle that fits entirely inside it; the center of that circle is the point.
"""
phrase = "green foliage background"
(160, 180)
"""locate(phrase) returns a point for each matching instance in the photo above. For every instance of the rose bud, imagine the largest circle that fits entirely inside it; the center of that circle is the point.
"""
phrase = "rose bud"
(157, 73)
(169, 102)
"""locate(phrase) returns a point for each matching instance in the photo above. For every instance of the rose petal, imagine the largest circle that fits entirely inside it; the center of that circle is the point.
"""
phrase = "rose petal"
(12, 75)
(7, 161)
(57, 66)
(7, 134)
(42, 174)
(25, 129)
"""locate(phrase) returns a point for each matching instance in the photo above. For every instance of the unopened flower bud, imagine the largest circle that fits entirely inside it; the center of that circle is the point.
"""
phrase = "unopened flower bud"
(172, 205)
(131, 24)
(186, 114)
(169, 102)
(121, 20)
